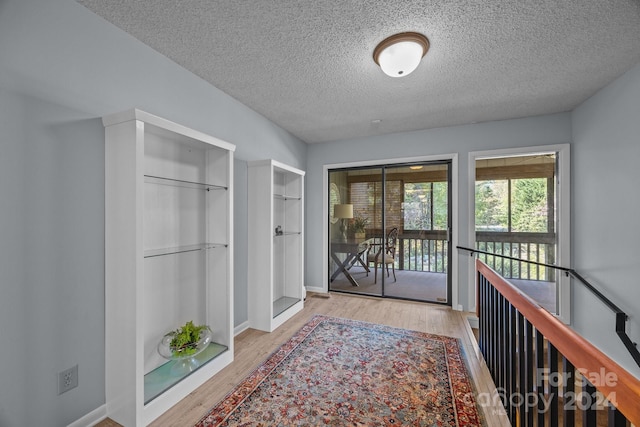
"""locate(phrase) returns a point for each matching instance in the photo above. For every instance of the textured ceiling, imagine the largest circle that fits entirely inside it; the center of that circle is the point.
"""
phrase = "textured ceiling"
(307, 64)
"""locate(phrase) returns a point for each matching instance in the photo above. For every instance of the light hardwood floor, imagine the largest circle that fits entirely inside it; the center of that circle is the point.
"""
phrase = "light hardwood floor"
(252, 347)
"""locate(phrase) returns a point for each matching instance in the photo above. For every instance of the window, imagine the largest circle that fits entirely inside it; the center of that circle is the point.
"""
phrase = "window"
(513, 205)
(425, 206)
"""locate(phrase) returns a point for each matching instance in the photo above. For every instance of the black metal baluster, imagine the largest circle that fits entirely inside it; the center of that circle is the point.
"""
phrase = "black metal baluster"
(529, 381)
(552, 381)
(487, 320)
(502, 348)
(522, 374)
(515, 360)
(615, 417)
(482, 314)
(540, 376)
(502, 353)
(505, 351)
(569, 393)
(496, 355)
(588, 404)
(494, 335)
(490, 327)
(489, 317)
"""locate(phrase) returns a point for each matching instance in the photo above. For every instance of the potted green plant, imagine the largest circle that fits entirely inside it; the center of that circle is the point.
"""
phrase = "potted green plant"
(359, 226)
(185, 342)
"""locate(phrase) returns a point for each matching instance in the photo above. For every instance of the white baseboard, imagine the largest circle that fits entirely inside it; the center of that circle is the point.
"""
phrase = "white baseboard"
(92, 418)
(319, 290)
(241, 328)
(474, 322)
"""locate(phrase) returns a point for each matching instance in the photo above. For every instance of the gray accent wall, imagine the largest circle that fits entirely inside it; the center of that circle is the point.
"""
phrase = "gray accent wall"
(606, 212)
(61, 69)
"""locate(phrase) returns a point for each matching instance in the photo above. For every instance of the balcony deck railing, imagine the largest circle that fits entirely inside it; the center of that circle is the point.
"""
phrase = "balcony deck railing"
(428, 251)
(536, 247)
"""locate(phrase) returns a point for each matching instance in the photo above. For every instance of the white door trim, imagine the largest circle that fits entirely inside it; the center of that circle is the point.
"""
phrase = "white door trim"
(453, 157)
(563, 226)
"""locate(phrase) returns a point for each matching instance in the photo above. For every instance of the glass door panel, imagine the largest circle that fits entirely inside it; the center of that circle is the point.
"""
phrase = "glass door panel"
(417, 208)
(355, 225)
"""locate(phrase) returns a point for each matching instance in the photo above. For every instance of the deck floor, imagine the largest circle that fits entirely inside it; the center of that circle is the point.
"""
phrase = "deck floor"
(414, 285)
(429, 287)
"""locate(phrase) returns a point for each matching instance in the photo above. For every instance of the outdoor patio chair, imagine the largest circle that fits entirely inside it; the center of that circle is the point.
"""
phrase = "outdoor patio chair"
(385, 254)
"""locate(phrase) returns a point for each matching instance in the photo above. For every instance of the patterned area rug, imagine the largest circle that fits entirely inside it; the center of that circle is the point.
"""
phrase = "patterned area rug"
(344, 372)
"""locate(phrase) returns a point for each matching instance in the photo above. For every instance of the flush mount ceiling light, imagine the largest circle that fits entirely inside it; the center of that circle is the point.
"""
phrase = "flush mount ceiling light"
(401, 53)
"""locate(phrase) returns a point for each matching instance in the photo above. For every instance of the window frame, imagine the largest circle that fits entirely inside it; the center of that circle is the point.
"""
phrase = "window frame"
(563, 214)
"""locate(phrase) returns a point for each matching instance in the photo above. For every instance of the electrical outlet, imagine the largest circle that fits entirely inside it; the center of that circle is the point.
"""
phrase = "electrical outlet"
(67, 379)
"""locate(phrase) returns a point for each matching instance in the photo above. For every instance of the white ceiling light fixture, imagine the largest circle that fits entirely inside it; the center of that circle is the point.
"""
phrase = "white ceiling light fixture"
(400, 54)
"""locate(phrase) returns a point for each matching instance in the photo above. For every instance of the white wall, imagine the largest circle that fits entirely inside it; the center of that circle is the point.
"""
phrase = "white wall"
(527, 132)
(606, 211)
(61, 69)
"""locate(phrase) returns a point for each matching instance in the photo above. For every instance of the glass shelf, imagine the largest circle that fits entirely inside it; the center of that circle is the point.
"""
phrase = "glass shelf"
(282, 304)
(149, 179)
(285, 197)
(182, 249)
(161, 379)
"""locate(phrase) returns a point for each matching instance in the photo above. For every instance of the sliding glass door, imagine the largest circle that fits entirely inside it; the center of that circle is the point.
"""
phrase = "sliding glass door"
(389, 229)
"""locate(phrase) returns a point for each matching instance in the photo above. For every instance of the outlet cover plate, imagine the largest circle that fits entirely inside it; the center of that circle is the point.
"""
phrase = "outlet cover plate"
(68, 379)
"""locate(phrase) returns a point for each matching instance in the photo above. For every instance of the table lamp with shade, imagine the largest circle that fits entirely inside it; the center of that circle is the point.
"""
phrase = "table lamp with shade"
(343, 211)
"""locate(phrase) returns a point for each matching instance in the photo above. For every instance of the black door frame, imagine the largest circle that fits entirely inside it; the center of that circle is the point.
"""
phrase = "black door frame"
(383, 170)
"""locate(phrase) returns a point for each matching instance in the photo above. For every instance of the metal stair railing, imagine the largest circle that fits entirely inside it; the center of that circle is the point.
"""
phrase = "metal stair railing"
(621, 316)
(545, 373)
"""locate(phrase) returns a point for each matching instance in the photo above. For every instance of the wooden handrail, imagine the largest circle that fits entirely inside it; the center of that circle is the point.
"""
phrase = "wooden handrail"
(621, 316)
(580, 352)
